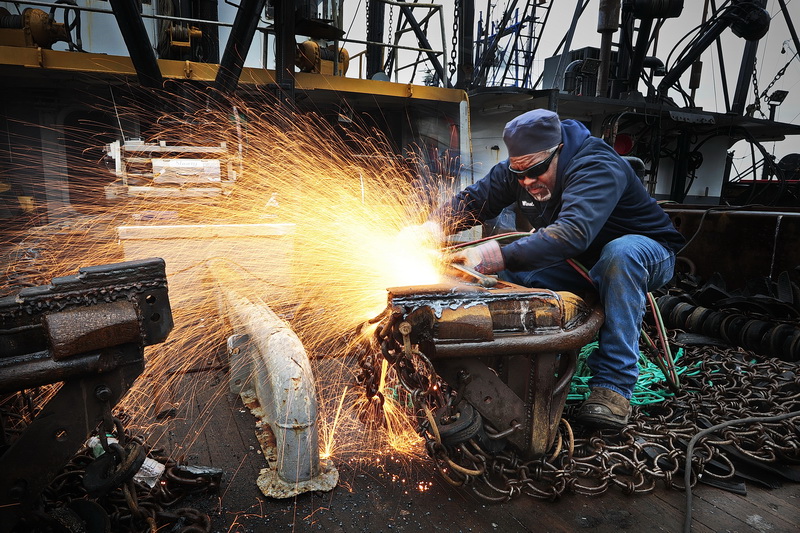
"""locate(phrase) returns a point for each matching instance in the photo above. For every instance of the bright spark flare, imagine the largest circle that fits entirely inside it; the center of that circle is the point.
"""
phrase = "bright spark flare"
(349, 201)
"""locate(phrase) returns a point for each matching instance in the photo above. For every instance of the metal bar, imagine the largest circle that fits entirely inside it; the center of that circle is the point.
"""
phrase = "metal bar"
(704, 42)
(466, 50)
(376, 11)
(524, 344)
(285, 49)
(479, 77)
(790, 25)
(238, 46)
(745, 76)
(562, 61)
(607, 25)
(535, 50)
(142, 54)
(678, 189)
(423, 40)
(639, 53)
(722, 71)
(605, 64)
(210, 38)
(624, 49)
(471, 275)
(395, 46)
(38, 369)
(110, 12)
(415, 4)
(513, 52)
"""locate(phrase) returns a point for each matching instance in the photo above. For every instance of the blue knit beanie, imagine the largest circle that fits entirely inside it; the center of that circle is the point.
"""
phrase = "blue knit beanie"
(532, 132)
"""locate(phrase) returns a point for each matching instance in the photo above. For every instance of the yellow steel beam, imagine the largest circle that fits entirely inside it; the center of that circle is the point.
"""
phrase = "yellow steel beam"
(57, 60)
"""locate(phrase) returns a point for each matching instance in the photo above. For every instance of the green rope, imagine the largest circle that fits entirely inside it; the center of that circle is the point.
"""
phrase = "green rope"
(651, 387)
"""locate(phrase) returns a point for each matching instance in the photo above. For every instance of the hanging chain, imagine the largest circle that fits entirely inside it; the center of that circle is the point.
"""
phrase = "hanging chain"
(391, 23)
(367, 6)
(756, 105)
(778, 76)
(454, 51)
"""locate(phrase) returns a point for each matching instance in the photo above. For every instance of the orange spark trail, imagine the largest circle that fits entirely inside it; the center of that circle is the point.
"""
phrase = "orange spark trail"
(332, 206)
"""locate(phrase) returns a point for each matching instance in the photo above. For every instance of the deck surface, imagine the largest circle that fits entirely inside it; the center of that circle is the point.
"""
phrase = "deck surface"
(214, 428)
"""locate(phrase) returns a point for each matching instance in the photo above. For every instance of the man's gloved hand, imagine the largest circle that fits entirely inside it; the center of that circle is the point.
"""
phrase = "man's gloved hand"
(485, 258)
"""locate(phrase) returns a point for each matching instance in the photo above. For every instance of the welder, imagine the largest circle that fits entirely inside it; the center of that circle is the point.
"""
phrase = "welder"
(585, 204)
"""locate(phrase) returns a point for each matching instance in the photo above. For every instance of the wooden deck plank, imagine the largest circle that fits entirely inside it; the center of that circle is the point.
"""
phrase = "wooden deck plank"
(393, 496)
(674, 510)
(785, 500)
(729, 509)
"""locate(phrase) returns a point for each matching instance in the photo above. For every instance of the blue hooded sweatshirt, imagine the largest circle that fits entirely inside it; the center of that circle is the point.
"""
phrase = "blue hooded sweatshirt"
(596, 198)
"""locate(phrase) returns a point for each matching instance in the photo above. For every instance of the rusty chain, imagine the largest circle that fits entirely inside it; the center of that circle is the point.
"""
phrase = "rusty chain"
(135, 507)
(132, 507)
(723, 384)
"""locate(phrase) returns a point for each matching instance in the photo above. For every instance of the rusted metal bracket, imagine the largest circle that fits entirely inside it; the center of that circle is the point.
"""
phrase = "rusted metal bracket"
(89, 331)
(510, 351)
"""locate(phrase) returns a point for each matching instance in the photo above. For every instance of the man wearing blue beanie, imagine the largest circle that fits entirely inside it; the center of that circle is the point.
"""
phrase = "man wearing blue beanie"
(583, 202)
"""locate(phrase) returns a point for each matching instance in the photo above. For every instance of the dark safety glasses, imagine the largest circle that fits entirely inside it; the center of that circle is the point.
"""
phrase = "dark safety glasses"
(537, 169)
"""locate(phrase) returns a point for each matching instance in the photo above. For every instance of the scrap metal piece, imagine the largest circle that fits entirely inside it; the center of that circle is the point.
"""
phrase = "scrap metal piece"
(510, 351)
(89, 328)
(272, 369)
(80, 330)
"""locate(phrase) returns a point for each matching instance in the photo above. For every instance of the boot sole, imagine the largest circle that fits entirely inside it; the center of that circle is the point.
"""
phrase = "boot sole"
(603, 421)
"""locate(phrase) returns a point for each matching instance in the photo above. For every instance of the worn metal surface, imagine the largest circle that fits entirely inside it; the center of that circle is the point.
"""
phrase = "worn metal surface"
(89, 331)
(530, 398)
(508, 351)
(270, 480)
(471, 321)
(89, 328)
(143, 283)
(742, 243)
(40, 368)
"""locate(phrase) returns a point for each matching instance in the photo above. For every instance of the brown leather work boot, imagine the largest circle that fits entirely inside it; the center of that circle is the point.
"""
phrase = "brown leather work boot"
(605, 409)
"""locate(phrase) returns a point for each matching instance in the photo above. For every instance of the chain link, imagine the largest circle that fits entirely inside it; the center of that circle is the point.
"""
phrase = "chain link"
(723, 385)
(454, 51)
(778, 76)
(133, 507)
(391, 23)
(756, 105)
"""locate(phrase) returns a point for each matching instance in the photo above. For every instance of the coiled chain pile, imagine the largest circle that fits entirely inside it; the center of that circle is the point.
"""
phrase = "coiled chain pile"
(720, 385)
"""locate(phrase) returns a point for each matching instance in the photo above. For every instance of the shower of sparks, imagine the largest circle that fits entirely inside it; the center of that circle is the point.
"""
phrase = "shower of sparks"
(345, 200)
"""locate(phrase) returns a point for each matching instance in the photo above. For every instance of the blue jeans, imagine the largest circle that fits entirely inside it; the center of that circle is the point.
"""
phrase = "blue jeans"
(629, 267)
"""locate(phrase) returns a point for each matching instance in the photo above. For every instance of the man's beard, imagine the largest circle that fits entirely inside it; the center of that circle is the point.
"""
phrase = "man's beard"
(541, 193)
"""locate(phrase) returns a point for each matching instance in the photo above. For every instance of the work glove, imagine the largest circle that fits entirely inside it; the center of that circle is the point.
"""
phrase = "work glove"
(485, 258)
